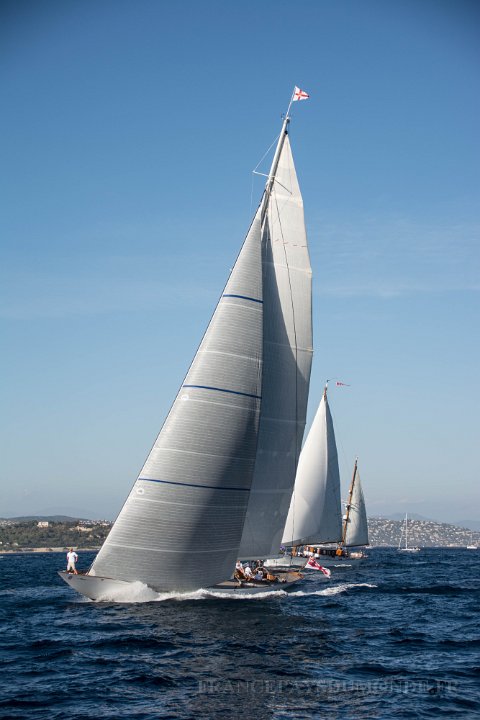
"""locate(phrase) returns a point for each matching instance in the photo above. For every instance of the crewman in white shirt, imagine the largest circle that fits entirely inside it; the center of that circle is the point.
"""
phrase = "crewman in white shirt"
(72, 558)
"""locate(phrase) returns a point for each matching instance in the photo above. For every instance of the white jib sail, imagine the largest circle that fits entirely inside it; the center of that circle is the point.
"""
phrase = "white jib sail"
(356, 532)
(315, 514)
(287, 357)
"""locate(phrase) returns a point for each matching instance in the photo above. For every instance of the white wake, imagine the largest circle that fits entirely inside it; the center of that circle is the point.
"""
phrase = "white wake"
(138, 592)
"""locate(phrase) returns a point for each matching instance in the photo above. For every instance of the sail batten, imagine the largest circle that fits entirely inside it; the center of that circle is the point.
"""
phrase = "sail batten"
(169, 550)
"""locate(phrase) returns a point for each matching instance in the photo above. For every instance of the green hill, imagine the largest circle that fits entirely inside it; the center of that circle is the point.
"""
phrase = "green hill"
(22, 533)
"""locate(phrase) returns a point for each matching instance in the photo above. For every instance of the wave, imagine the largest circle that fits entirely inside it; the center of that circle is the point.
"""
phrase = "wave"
(329, 591)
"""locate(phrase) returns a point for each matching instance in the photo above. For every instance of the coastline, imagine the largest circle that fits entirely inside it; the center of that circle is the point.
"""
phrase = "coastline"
(27, 551)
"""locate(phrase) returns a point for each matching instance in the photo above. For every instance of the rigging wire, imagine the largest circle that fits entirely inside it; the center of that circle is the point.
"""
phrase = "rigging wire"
(254, 171)
(343, 454)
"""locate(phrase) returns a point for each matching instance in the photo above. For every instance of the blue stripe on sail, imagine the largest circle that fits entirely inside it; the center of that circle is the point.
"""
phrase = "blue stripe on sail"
(207, 487)
(232, 392)
(244, 297)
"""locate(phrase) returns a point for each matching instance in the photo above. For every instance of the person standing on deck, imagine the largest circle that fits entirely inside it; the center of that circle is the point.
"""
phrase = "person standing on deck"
(72, 558)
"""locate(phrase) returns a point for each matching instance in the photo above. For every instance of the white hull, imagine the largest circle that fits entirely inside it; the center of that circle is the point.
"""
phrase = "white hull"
(286, 563)
(93, 587)
(331, 559)
(412, 549)
(357, 555)
(98, 588)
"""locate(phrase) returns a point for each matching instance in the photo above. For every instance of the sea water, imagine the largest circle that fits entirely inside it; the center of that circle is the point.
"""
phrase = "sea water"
(393, 636)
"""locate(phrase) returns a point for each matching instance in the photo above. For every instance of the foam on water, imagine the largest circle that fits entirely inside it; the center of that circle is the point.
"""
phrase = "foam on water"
(138, 592)
(332, 590)
(135, 592)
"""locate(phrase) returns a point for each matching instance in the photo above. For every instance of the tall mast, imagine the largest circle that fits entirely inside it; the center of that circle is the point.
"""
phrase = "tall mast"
(273, 169)
(349, 502)
(276, 158)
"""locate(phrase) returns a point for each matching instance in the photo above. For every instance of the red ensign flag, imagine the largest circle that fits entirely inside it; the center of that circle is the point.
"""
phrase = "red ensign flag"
(299, 94)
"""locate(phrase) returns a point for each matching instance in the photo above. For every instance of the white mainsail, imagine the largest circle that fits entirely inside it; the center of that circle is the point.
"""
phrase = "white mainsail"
(315, 514)
(218, 480)
(356, 525)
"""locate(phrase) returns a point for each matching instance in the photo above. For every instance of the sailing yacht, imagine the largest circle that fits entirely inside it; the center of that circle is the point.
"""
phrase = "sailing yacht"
(217, 484)
(406, 547)
(472, 545)
(355, 523)
(315, 514)
(354, 532)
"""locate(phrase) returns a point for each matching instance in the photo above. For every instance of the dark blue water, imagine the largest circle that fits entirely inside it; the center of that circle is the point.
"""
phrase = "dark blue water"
(396, 636)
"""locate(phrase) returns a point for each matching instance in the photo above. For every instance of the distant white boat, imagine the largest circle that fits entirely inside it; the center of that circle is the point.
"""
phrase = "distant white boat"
(355, 523)
(406, 548)
(354, 528)
(472, 545)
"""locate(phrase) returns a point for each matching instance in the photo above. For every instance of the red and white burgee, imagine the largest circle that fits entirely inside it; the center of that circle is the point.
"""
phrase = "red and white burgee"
(299, 94)
(340, 384)
(314, 565)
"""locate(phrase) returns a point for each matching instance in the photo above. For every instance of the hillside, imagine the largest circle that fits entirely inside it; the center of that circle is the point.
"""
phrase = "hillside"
(424, 533)
(18, 534)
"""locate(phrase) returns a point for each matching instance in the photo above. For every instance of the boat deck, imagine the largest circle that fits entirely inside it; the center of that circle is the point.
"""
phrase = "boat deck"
(281, 582)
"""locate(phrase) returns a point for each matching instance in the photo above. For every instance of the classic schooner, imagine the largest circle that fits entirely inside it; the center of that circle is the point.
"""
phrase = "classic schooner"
(218, 481)
(355, 523)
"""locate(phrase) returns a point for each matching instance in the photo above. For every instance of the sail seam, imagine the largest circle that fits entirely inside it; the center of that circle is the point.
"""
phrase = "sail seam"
(251, 308)
(165, 550)
(206, 487)
(229, 354)
(289, 345)
(142, 499)
(242, 297)
(225, 390)
(221, 403)
(205, 454)
(286, 266)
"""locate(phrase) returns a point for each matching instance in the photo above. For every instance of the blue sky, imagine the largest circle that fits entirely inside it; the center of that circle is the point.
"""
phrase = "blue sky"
(129, 131)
